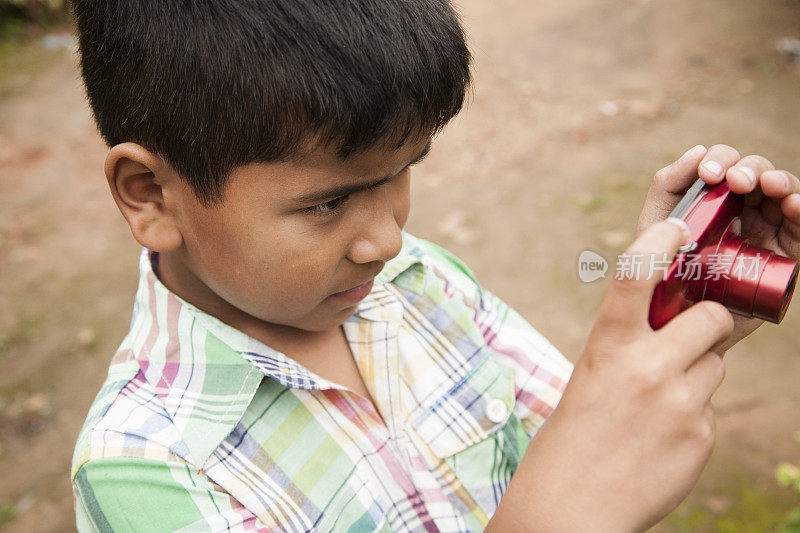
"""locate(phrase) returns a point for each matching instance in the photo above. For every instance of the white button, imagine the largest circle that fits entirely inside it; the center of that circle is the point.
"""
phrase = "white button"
(496, 411)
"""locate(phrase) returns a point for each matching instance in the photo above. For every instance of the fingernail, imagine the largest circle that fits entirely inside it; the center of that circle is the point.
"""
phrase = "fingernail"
(748, 173)
(713, 167)
(693, 151)
(787, 181)
(681, 224)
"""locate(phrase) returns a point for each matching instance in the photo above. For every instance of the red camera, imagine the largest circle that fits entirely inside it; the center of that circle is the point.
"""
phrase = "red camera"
(718, 264)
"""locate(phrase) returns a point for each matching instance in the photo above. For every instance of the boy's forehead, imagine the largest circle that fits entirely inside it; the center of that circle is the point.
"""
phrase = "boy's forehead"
(315, 175)
(382, 156)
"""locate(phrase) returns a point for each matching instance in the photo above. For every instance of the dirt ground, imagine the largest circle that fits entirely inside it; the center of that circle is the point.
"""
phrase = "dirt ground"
(576, 104)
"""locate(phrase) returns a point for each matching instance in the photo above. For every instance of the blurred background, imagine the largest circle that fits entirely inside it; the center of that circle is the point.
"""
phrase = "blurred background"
(576, 105)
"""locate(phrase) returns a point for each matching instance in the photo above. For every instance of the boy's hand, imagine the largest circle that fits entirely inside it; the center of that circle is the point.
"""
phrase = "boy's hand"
(771, 217)
(635, 426)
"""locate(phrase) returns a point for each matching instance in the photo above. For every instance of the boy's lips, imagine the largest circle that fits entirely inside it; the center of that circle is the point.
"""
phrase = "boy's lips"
(355, 286)
(369, 280)
(356, 293)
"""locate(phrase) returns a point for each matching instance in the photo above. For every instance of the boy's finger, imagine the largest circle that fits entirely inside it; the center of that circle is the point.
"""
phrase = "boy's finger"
(669, 185)
(779, 183)
(790, 207)
(705, 375)
(695, 331)
(680, 175)
(744, 175)
(627, 302)
(716, 163)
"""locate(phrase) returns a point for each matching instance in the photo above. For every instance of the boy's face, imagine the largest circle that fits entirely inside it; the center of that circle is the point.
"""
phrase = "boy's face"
(279, 247)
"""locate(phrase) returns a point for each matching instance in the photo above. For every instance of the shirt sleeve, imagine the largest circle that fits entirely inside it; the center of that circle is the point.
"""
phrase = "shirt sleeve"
(131, 494)
(541, 371)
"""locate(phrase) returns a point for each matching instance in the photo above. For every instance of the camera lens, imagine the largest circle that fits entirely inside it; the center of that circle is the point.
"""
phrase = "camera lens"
(760, 283)
(775, 288)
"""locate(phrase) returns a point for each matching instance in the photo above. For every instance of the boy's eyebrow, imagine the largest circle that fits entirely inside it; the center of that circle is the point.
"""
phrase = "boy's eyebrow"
(343, 190)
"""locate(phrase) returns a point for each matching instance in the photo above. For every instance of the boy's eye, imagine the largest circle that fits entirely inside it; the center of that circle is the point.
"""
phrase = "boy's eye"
(333, 207)
(328, 208)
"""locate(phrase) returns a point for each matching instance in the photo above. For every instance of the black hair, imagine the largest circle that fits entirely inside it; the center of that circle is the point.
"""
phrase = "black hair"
(209, 85)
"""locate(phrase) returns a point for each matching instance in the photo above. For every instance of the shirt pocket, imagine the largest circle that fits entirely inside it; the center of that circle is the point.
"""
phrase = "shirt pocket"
(474, 408)
(476, 438)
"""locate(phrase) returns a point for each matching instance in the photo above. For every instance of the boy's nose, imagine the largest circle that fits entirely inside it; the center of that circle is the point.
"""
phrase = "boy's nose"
(378, 234)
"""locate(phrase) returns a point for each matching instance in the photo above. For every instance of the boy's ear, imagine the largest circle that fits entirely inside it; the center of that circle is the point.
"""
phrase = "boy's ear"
(137, 180)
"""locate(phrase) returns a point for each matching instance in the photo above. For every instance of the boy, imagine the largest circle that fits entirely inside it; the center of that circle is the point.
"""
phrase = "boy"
(296, 361)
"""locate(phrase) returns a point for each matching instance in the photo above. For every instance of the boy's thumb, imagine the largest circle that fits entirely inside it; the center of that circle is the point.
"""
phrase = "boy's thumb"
(627, 302)
(669, 185)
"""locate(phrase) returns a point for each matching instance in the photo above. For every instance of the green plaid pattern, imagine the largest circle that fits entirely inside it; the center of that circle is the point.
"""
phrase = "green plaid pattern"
(202, 428)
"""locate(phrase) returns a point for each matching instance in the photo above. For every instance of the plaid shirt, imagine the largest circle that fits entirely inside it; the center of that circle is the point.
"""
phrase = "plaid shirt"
(199, 427)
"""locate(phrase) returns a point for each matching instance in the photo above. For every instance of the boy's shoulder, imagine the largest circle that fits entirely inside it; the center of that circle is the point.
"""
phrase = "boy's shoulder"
(432, 279)
(431, 261)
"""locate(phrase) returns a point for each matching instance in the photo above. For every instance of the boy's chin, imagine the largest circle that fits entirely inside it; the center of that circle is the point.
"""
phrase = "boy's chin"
(334, 318)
